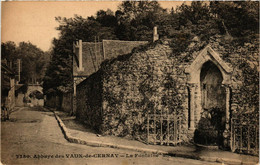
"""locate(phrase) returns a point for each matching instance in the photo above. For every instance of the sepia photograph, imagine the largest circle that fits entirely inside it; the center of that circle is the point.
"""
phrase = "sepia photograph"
(129, 82)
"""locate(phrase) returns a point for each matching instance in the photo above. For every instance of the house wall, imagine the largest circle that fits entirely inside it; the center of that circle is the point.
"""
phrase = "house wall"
(89, 109)
(11, 94)
(19, 100)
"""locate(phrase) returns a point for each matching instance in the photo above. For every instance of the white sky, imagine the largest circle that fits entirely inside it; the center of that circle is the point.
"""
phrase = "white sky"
(35, 21)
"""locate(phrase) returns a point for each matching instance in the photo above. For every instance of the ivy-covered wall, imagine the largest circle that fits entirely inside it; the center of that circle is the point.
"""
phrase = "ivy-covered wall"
(89, 101)
(66, 103)
(152, 80)
(244, 60)
(145, 82)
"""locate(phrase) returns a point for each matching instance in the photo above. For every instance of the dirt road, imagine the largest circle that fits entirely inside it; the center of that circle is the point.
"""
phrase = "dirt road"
(32, 136)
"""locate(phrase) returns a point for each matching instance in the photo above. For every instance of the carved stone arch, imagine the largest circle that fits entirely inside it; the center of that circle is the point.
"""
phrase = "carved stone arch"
(193, 72)
(208, 54)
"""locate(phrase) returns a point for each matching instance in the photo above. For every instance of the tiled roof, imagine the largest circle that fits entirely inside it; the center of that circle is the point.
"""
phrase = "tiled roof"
(93, 54)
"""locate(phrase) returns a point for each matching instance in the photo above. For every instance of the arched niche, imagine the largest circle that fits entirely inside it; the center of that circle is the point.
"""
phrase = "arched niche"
(212, 92)
(206, 58)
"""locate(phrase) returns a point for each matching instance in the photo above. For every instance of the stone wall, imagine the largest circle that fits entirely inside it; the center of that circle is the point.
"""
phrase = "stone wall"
(66, 104)
(52, 102)
(146, 82)
(152, 80)
(19, 100)
(89, 100)
(244, 60)
(60, 102)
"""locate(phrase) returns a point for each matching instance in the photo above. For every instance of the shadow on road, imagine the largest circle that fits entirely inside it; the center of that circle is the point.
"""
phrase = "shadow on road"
(25, 120)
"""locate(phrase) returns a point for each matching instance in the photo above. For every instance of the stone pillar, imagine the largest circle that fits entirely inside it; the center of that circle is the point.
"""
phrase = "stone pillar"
(74, 87)
(197, 102)
(227, 106)
(227, 132)
(192, 106)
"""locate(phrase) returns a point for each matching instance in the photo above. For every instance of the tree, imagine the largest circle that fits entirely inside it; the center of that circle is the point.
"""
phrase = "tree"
(197, 20)
(8, 51)
(58, 78)
(136, 19)
(33, 60)
(240, 18)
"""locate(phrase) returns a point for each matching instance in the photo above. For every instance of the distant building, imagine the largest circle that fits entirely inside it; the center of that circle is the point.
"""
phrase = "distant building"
(7, 85)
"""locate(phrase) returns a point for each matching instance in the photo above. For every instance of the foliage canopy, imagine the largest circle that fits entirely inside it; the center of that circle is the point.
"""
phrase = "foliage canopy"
(134, 20)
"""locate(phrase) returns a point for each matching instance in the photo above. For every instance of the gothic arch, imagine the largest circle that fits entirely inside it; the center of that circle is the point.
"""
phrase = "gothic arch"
(193, 73)
(207, 54)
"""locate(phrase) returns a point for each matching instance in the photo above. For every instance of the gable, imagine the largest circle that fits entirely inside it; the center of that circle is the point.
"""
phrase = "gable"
(208, 54)
(205, 55)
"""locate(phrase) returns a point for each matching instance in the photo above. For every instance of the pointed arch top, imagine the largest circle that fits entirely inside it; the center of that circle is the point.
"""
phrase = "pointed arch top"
(208, 54)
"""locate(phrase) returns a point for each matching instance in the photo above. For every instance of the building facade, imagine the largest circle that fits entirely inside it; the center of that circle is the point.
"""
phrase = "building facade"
(7, 88)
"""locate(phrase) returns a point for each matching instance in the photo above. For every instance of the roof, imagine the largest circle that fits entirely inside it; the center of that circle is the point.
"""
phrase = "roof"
(93, 54)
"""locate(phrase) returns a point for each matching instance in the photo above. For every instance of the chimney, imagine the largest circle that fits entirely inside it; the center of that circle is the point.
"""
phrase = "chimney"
(80, 55)
(155, 35)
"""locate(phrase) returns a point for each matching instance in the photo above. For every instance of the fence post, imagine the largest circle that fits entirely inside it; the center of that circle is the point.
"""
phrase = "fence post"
(256, 140)
(248, 140)
(241, 136)
(161, 129)
(154, 124)
(231, 137)
(175, 129)
(148, 129)
(168, 132)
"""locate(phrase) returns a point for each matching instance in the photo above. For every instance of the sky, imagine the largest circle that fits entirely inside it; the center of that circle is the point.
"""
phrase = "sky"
(35, 21)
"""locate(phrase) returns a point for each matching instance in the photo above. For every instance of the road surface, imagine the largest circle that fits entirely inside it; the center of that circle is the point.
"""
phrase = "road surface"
(32, 136)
